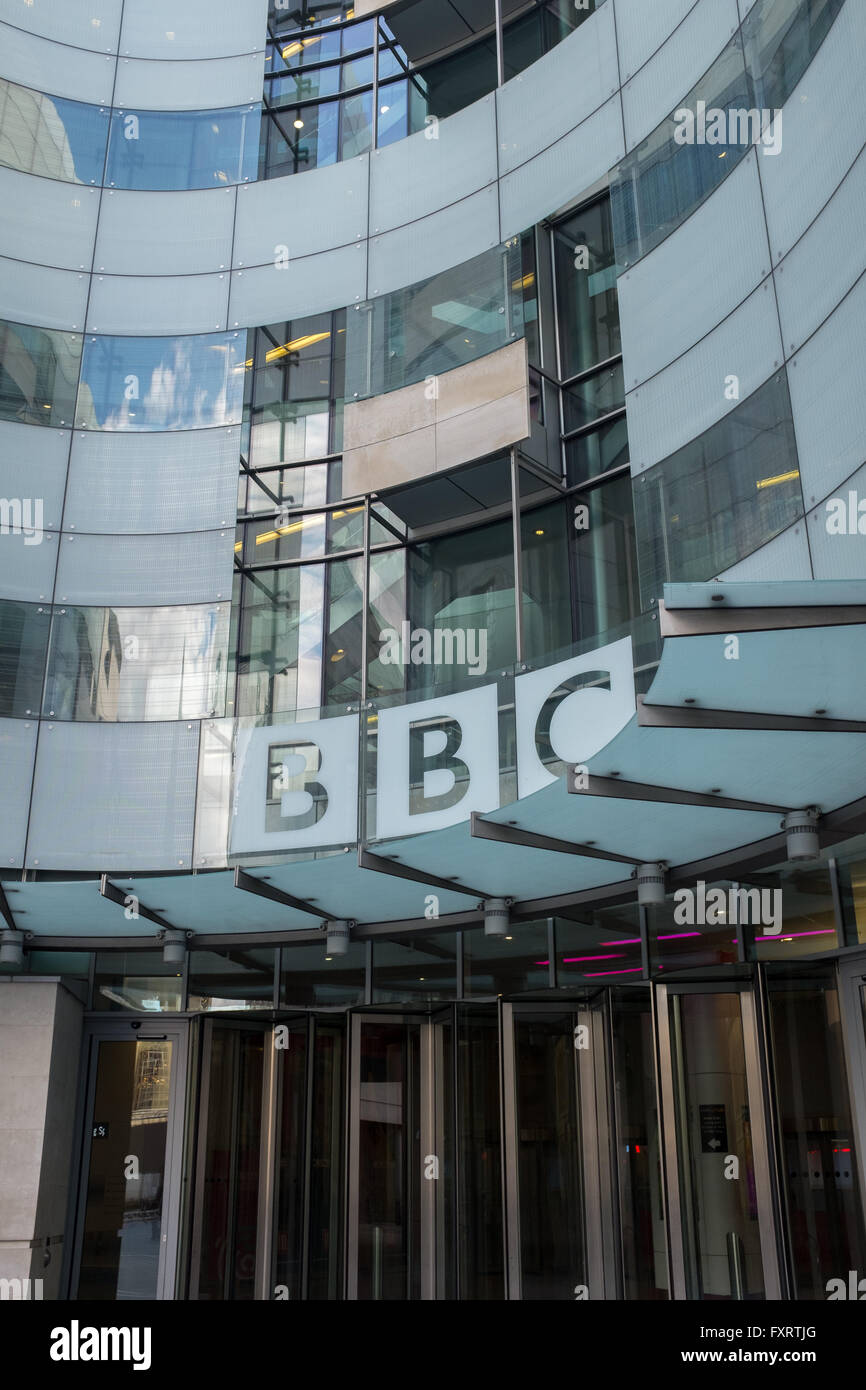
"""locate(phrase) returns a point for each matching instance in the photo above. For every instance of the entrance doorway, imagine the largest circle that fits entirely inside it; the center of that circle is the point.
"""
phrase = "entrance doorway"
(126, 1229)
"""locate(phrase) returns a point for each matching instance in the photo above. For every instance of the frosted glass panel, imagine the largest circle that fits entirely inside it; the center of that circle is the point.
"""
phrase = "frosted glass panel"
(125, 799)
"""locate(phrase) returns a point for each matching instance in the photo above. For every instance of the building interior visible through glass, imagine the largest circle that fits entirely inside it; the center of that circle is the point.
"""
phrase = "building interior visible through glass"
(439, 1111)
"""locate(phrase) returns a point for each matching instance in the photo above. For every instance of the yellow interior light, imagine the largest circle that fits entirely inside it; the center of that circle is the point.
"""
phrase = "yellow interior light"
(779, 478)
(296, 345)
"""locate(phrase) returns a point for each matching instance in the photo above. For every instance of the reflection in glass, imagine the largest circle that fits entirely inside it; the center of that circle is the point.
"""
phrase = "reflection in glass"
(162, 383)
(228, 1203)
(23, 645)
(123, 1216)
(675, 943)
(289, 389)
(38, 374)
(231, 980)
(546, 594)
(138, 663)
(605, 563)
(821, 1189)
(723, 1247)
(480, 1256)
(389, 1165)
(463, 582)
(548, 1157)
(183, 149)
(641, 1214)
(138, 980)
(804, 896)
(280, 640)
(596, 452)
(852, 890)
(290, 1164)
(722, 495)
(51, 136)
(309, 977)
(660, 183)
(435, 324)
(324, 1279)
(586, 270)
(507, 965)
(406, 971)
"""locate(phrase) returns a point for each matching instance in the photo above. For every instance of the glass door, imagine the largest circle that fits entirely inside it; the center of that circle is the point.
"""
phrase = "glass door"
(549, 1100)
(723, 1240)
(225, 1238)
(386, 1158)
(126, 1232)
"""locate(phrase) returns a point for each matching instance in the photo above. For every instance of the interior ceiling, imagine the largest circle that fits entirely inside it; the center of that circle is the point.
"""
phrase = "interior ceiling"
(427, 27)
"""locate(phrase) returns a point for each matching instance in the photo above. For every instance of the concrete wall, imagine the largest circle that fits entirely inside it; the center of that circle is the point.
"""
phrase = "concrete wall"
(40, 1039)
(430, 426)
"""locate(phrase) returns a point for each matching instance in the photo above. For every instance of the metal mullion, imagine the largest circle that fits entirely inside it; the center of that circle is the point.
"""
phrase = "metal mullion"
(581, 431)
(510, 1174)
(850, 979)
(590, 1145)
(374, 134)
(759, 1104)
(500, 47)
(272, 1090)
(353, 1110)
(309, 1077)
(517, 556)
(667, 1113)
(428, 1146)
(231, 1218)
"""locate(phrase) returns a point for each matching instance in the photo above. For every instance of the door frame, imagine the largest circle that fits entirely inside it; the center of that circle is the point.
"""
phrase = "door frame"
(428, 1107)
(757, 1073)
(112, 1029)
(598, 1193)
(851, 975)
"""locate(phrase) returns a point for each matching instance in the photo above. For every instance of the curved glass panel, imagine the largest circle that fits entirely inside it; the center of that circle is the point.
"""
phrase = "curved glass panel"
(279, 660)
(586, 289)
(38, 374)
(183, 149)
(669, 174)
(162, 383)
(23, 644)
(51, 136)
(722, 495)
(435, 325)
(138, 663)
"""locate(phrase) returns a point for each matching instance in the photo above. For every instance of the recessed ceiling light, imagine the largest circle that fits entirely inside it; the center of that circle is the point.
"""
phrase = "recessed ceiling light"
(299, 125)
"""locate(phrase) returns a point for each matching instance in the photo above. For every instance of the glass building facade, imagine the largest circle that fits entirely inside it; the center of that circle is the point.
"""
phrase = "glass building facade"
(431, 732)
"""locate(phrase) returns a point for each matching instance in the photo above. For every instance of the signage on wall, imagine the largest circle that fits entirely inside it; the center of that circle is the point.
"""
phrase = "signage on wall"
(296, 786)
(714, 1129)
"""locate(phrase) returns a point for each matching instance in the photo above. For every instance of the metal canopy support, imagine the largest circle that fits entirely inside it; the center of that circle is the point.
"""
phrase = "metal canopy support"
(513, 835)
(695, 717)
(248, 883)
(116, 895)
(677, 796)
(6, 911)
(380, 865)
(700, 622)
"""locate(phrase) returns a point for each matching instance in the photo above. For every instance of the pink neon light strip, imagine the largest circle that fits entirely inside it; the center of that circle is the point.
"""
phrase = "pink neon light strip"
(591, 974)
(788, 936)
(627, 941)
(677, 935)
(615, 955)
